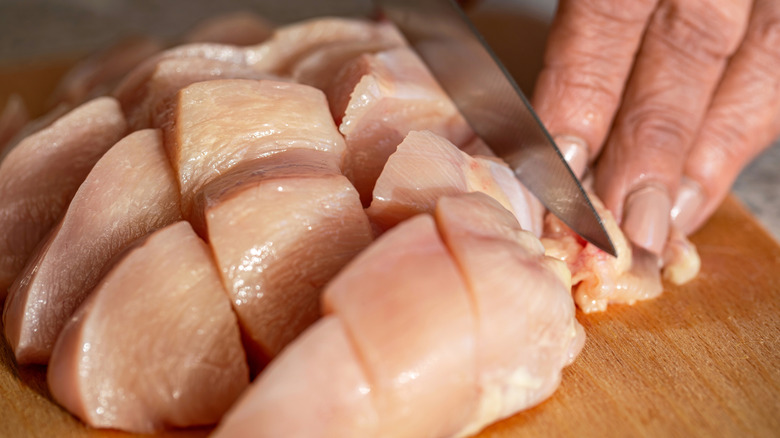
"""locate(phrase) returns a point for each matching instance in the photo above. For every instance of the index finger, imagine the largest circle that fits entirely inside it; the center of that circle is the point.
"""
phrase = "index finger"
(588, 58)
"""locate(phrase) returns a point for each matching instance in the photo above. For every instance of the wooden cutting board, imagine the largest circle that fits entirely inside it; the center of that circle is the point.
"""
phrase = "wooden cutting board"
(701, 360)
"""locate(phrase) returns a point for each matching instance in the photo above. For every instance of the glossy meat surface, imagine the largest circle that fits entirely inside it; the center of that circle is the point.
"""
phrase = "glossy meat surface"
(439, 328)
(130, 192)
(426, 167)
(378, 99)
(156, 345)
(41, 174)
(218, 124)
(281, 228)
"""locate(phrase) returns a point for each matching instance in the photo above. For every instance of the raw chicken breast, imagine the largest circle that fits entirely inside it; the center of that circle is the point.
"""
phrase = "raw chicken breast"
(437, 329)
(12, 120)
(320, 67)
(291, 43)
(241, 28)
(156, 345)
(98, 73)
(402, 364)
(281, 228)
(154, 101)
(41, 174)
(382, 97)
(597, 277)
(130, 192)
(426, 167)
(526, 326)
(218, 124)
(316, 388)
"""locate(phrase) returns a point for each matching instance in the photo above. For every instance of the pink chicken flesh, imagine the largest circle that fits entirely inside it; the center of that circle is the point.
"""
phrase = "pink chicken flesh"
(378, 98)
(130, 192)
(425, 336)
(426, 167)
(156, 345)
(281, 228)
(12, 119)
(218, 124)
(41, 174)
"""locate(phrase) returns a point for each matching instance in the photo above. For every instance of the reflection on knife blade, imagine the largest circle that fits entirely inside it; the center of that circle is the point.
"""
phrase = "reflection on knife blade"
(495, 108)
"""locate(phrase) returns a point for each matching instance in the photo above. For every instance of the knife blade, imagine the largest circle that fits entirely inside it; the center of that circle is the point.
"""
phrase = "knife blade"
(496, 108)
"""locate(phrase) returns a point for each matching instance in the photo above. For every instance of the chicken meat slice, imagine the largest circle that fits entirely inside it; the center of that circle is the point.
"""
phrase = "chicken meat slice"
(526, 326)
(402, 364)
(100, 72)
(437, 329)
(154, 102)
(40, 175)
(218, 124)
(378, 98)
(241, 28)
(426, 167)
(280, 53)
(281, 227)
(156, 345)
(130, 192)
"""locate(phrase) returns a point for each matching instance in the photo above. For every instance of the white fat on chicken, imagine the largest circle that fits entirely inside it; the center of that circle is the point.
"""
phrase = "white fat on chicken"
(129, 192)
(156, 345)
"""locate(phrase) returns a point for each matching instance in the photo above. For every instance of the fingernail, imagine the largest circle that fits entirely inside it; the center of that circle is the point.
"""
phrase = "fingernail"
(646, 218)
(575, 151)
(690, 199)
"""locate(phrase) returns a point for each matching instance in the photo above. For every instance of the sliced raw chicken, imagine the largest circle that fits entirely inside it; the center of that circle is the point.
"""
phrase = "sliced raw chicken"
(237, 28)
(426, 167)
(130, 192)
(316, 388)
(218, 124)
(156, 345)
(12, 120)
(281, 228)
(526, 326)
(430, 333)
(154, 102)
(41, 174)
(382, 97)
(320, 67)
(293, 42)
(131, 90)
(396, 358)
(98, 73)
(598, 278)
(33, 126)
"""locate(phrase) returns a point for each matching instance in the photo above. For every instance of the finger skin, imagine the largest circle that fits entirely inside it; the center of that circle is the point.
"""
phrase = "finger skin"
(677, 69)
(744, 117)
(588, 58)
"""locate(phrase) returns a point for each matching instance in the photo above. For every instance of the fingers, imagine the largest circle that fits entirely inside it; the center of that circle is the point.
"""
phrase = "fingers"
(589, 54)
(677, 68)
(743, 119)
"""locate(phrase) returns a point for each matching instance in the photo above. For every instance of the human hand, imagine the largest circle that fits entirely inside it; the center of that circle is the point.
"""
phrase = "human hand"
(669, 98)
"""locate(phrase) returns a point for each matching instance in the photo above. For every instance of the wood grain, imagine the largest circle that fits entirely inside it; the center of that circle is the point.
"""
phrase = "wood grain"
(701, 360)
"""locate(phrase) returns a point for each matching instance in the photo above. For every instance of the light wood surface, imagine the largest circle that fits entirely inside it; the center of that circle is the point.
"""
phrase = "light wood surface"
(701, 360)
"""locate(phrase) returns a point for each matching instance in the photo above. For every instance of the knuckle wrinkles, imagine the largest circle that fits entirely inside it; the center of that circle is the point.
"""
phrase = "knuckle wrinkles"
(703, 29)
(764, 33)
(607, 11)
(663, 131)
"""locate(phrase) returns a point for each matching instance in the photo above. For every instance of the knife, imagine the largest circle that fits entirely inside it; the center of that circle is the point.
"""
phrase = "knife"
(496, 108)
